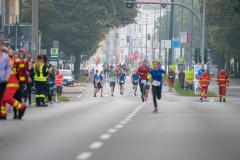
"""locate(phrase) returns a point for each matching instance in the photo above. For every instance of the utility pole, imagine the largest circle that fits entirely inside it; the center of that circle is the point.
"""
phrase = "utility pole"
(166, 37)
(7, 12)
(114, 42)
(35, 27)
(191, 38)
(20, 10)
(203, 33)
(170, 56)
(16, 36)
(2, 19)
(154, 33)
(146, 37)
(160, 30)
(129, 44)
(181, 31)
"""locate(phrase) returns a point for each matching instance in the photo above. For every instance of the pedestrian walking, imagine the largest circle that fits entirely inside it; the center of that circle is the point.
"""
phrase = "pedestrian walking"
(112, 77)
(105, 69)
(222, 82)
(95, 81)
(66, 66)
(156, 81)
(171, 77)
(143, 72)
(108, 69)
(204, 81)
(41, 73)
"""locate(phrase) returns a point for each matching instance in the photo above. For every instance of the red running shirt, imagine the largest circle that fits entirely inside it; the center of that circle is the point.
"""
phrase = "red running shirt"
(145, 72)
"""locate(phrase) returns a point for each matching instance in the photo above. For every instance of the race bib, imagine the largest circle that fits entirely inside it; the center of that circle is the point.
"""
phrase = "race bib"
(121, 81)
(135, 81)
(171, 76)
(156, 83)
(143, 81)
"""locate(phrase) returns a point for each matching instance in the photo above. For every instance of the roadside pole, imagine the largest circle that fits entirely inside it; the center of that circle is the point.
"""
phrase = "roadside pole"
(2, 19)
(16, 36)
(203, 33)
(166, 37)
(146, 37)
(35, 27)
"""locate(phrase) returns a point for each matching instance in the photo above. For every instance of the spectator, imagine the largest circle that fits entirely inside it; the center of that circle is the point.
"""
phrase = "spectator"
(29, 58)
(58, 80)
(66, 66)
(181, 77)
(30, 85)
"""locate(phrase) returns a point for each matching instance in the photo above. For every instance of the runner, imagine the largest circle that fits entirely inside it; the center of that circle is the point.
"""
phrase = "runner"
(108, 68)
(156, 81)
(112, 77)
(148, 87)
(134, 81)
(95, 80)
(171, 77)
(105, 69)
(143, 81)
(122, 77)
(100, 83)
(119, 70)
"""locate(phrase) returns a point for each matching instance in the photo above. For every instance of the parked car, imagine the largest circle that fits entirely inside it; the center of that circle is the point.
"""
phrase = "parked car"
(68, 77)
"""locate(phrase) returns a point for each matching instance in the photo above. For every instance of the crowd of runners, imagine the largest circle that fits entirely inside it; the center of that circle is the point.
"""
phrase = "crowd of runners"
(146, 77)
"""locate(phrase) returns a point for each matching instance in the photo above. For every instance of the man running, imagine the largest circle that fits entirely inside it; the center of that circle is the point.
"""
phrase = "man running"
(95, 80)
(112, 77)
(156, 81)
(100, 83)
(119, 70)
(134, 81)
(122, 77)
(171, 77)
(143, 71)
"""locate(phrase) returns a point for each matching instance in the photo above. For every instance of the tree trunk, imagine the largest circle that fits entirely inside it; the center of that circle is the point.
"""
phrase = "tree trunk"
(227, 63)
(235, 67)
(77, 63)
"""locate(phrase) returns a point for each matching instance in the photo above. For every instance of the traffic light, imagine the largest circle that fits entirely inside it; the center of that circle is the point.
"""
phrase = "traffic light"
(13, 48)
(197, 57)
(128, 39)
(148, 36)
(129, 5)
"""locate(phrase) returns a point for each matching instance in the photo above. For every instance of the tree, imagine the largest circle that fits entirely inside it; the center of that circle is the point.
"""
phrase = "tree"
(79, 25)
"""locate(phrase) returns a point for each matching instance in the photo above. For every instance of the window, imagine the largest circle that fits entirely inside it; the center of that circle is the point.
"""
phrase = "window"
(140, 14)
(139, 42)
(140, 28)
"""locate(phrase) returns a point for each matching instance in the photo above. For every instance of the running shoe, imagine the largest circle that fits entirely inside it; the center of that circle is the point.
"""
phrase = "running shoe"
(201, 99)
(142, 99)
(224, 100)
(145, 100)
(205, 99)
(155, 111)
(101, 95)
(147, 97)
(112, 94)
(135, 94)
(95, 95)
(220, 99)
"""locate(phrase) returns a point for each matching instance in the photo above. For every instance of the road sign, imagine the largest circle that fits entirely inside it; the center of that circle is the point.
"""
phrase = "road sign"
(168, 44)
(30, 46)
(114, 57)
(13, 32)
(175, 43)
(184, 37)
(111, 56)
(55, 44)
(54, 52)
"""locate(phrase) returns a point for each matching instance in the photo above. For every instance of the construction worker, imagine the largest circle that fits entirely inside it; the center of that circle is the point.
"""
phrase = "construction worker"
(41, 76)
(59, 80)
(222, 82)
(204, 82)
(8, 95)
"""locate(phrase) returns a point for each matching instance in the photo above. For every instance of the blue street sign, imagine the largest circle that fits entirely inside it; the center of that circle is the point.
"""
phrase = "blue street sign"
(111, 56)
(175, 43)
(200, 72)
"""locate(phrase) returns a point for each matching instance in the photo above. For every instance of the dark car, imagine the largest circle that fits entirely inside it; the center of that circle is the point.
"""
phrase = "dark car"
(68, 77)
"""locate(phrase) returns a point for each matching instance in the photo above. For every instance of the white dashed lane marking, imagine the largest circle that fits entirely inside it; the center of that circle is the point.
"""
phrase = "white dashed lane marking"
(105, 136)
(119, 126)
(95, 145)
(112, 130)
(84, 156)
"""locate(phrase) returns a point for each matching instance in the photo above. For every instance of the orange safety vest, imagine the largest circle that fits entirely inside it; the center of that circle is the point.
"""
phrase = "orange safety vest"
(59, 79)
(204, 80)
(223, 79)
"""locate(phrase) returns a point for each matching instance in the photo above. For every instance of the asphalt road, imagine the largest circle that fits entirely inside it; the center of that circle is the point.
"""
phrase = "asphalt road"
(124, 128)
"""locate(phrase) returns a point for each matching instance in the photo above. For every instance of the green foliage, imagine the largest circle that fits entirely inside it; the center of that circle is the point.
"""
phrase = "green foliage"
(78, 25)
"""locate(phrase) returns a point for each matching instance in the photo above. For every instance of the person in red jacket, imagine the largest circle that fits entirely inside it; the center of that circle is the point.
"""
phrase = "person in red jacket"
(143, 71)
(59, 80)
(222, 82)
(204, 82)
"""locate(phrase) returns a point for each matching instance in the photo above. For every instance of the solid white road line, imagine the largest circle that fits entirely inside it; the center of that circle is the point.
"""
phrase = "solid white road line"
(95, 145)
(112, 130)
(105, 136)
(84, 155)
